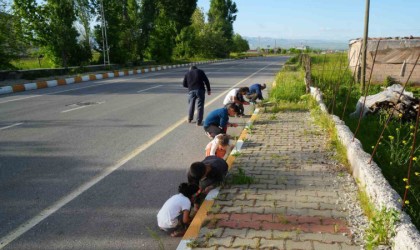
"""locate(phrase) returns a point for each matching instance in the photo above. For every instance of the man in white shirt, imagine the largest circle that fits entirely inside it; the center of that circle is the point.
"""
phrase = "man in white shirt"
(236, 96)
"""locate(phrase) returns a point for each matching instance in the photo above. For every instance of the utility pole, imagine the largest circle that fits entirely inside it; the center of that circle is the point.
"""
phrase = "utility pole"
(364, 50)
(105, 48)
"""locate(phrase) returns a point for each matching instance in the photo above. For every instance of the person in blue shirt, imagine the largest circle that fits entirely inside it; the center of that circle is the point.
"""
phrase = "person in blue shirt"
(217, 120)
(255, 92)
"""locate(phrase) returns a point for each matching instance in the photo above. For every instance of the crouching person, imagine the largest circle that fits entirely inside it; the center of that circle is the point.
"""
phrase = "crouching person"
(207, 174)
(174, 216)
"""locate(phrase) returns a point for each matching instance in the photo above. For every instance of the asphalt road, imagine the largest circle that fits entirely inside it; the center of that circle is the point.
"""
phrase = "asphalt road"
(88, 166)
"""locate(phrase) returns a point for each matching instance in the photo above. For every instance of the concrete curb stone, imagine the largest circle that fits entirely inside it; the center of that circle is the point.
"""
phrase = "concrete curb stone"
(376, 186)
(84, 78)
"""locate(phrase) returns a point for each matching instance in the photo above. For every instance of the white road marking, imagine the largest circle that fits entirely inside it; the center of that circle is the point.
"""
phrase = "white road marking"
(11, 126)
(26, 226)
(149, 88)
(68, 110)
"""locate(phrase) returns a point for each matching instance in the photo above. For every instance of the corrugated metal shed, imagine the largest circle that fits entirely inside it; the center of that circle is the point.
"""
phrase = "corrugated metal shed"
(395, 58)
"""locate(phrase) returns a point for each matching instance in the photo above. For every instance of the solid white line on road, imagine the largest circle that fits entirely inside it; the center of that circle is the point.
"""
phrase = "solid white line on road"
(68, 110)
(149, 88)
(11, 126)
(26, 226)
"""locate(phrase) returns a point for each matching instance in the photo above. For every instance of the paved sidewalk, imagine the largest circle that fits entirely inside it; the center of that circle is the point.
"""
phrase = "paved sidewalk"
(300, 199)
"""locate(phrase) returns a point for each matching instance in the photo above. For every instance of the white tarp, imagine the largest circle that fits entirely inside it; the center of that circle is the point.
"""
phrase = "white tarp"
(390, 94)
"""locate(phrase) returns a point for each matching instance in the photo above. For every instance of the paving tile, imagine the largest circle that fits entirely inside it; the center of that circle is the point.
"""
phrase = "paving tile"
(250, 243)
(235, 232)
(278, 244)
(222, 241)
(304, 245)
(350, 247)
(325, 237)
(252, 233)
(326, 246)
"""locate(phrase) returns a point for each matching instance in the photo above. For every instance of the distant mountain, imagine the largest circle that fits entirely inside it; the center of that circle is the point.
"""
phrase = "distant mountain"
(265, 42)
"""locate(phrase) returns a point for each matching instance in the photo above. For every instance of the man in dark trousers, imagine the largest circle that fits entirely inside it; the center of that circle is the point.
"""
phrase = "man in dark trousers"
(194, 80)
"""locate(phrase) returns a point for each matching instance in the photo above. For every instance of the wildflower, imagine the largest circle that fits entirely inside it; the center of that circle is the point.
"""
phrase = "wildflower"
(373, 147)
(407, 202)
(411, 134)
(404, 142)
(391, 137)
(407, 187)
(411, 126)
(414, 158)
(417, 173)
(399, 115)
(397, 129)
(405, 179)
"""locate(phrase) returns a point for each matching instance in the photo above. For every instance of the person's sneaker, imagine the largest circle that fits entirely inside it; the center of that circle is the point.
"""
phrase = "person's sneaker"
(189, 121)
(208, 135)
(199, 123)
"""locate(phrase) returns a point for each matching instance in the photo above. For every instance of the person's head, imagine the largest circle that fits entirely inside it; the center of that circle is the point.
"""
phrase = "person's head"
(187, 189)
(193, 67)
(223, 140)
(263, 86)
(197, 171)
(243, 90)
(232, 109)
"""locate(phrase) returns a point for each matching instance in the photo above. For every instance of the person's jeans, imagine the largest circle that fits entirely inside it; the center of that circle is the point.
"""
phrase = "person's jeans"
(193, 95)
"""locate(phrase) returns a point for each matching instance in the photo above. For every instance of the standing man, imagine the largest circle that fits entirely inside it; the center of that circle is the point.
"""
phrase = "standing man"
(194, 80)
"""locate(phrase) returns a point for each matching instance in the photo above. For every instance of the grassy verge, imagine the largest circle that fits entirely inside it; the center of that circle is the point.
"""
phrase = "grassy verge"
(290, 95)
(393, 154)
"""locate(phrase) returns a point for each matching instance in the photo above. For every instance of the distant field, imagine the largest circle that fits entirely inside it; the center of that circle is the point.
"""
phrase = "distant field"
(34, 63)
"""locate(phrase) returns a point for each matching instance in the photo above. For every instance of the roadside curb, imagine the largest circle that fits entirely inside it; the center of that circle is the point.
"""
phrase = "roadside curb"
(91, 77)
(370, 178)
(193, 230)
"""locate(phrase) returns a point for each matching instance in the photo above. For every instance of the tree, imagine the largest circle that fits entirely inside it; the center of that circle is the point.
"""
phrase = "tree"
(239, 44)
(221, 17)
(10, 42)
(84, 11)
(188, 40)
(50, 26)
(213, 44)
(172, 18)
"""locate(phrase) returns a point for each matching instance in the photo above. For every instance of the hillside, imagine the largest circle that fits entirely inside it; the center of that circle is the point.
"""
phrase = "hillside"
(264, 42)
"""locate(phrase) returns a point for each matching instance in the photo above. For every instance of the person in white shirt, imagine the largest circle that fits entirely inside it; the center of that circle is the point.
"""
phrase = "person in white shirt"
(237, 96)
(174, 216)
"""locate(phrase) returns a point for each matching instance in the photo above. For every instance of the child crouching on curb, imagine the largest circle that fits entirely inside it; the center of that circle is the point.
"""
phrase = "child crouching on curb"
(218, 146)
(174, 216)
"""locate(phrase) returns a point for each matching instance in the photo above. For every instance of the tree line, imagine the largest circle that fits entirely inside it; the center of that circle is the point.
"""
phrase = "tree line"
(68, 31)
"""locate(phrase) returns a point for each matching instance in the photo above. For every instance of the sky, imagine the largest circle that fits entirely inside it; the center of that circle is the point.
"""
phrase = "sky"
(337, 20)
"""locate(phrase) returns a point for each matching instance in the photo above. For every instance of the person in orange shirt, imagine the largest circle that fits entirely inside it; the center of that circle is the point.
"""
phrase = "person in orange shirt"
(218, 146)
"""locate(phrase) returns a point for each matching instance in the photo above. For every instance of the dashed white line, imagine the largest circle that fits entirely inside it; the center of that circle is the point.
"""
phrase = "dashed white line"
(68, 110)
(24, 227)
(11, 126)
(149, 88)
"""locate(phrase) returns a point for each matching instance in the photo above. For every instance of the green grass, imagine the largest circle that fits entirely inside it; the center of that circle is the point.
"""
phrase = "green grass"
(289, 87)
(392, 157)
(239, 177)
(32, 63)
